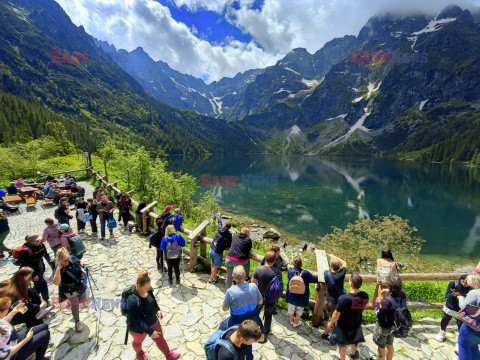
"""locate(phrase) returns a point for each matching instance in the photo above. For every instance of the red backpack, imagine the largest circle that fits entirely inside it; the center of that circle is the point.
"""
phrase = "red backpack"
(16, 253)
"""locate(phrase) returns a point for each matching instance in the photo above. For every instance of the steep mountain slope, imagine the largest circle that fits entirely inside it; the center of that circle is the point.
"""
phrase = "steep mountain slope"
(92, 88)
(177, 89)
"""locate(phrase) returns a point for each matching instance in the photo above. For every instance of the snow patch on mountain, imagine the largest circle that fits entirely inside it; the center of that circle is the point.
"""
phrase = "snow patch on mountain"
(281, 90)
(311, 83)
(287, 68)
(422, 104)
(433, 25)
(372, 88)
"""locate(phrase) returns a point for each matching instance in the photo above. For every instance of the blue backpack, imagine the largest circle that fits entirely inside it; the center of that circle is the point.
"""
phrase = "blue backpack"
(112, 224)
(274, 289)
(212, 347)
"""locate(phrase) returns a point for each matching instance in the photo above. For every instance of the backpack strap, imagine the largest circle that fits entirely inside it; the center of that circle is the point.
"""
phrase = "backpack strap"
(329, 274)
(226, 345)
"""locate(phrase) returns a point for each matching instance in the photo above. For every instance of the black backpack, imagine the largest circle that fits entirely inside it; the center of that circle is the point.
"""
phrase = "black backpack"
(56, 214)
(402, 319)
(124, 303)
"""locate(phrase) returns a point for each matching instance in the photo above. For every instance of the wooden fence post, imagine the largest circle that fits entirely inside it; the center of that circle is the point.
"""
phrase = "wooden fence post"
(145, 216)
(203, 245)
(194, 237)
(322, 265)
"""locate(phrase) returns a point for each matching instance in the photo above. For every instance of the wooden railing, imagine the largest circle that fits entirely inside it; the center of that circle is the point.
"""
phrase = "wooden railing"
(198, 239)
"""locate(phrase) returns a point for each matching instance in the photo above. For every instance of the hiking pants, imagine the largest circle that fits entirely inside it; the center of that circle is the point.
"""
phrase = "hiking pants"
(268, 314)
(160, 341)
(93, 224)
(3, 236)
(160, 258)
(125, 216)
(173, 264)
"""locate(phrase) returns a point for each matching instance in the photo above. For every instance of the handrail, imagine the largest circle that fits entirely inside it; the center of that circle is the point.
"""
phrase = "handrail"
(198, 239)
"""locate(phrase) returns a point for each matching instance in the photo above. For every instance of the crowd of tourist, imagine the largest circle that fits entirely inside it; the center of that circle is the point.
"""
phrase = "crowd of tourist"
(250, 300)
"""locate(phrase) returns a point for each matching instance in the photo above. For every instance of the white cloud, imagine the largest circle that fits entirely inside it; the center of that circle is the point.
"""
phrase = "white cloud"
(278, 27)
(132, 23)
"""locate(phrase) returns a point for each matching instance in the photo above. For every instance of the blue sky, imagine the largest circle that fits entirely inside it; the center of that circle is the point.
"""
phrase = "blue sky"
(211, 39)
(210, 25)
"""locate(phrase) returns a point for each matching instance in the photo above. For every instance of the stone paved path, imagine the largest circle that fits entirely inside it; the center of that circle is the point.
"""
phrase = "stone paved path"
(192, 311)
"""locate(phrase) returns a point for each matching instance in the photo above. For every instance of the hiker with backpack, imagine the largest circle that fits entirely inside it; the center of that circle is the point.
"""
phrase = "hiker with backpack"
(92, 210)
(4, 231)
(172, 245)
(81, 208)
(269, 281)
(221, 241)
(238, 254)
(385, 267)
(62, 212)
(71, 279)
(18, 288)
(23, 344)
(70, 240)
(165, 219)
(31, 254)
(234, 343)
(105, 211)
(178, 220)
(345, 326)
(143, 317)
(243, 300)
(51, 235)
(334, 279)
(455, 289)
(116, 200)
(391, 301)
(124, 206)
(298, 290)
(469, 334)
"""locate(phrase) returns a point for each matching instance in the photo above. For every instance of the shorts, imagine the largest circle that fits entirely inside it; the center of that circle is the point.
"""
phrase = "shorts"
(343, 338)
(382, 337)
(292, 309)
(217, 259)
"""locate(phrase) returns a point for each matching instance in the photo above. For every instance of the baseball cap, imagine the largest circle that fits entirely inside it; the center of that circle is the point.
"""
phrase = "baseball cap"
(34, 237)
(168, 207)
(64, 227)
(103, 197)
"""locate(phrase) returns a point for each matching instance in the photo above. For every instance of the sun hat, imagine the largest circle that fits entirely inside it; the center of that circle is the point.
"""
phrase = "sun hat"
(64, 227)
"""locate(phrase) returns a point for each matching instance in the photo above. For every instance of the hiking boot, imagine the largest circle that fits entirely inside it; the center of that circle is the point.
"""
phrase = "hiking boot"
(102, 238)
(178, 282)
(441, 336)
(356, 356)
(170, 282)
(78, 326)
(173, 356)
(297, 325)
(141, 356)
(325, 336)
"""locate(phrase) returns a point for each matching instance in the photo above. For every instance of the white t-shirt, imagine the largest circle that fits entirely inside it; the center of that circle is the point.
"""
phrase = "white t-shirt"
(5, 344)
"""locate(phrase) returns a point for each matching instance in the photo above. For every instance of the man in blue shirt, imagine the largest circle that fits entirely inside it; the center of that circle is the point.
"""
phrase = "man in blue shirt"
(243, 301)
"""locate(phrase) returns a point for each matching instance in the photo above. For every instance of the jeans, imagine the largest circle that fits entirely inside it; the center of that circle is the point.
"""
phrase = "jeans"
(103, 224)
(38, 344)
(230, 265)
(160, 341)
(268, 313)
(173, 264)
(468, 341)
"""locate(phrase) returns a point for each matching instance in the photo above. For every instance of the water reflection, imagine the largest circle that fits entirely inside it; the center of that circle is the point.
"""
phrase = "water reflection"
(314, 193)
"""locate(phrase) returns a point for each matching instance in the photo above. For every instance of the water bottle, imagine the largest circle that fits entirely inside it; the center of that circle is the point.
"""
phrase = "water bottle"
(13, 260)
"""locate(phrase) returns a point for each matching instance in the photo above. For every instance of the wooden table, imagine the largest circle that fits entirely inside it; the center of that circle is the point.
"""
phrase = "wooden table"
(11, 199)
(64, 193)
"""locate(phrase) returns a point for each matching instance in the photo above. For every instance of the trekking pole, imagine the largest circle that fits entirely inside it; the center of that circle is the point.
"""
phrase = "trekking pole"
(97, 326)
(94, 283)
(183, 265)
(91, 290)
